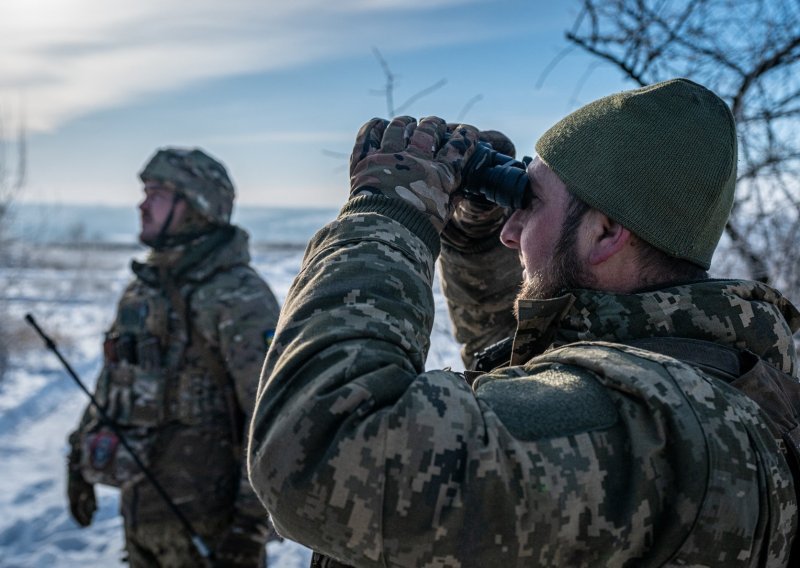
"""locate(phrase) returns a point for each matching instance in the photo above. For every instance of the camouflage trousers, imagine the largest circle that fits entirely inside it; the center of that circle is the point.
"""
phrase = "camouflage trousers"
(167, 545)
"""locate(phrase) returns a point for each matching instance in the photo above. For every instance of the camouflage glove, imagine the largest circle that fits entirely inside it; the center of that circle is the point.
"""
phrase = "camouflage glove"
(475, 221)
(82, 502)
(409, 161)
(243, 544)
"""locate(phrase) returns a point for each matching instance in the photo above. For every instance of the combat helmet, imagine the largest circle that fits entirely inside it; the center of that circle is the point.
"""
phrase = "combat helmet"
(201, 179)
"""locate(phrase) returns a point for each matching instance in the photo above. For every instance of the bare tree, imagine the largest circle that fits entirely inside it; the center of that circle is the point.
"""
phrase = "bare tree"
(388, 91)
(748, 52)
(12, 180)
(389, 88)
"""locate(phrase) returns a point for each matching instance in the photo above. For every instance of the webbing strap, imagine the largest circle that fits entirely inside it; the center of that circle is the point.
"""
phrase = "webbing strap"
(719, 360)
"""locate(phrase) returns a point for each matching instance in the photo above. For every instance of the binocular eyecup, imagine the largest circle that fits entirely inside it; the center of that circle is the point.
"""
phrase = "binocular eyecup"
(496, 178)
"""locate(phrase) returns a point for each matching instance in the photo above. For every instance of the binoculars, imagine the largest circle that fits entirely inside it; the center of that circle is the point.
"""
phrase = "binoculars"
(497, 178)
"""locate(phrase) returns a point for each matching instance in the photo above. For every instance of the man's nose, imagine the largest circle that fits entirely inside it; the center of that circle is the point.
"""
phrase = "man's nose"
(509, 235)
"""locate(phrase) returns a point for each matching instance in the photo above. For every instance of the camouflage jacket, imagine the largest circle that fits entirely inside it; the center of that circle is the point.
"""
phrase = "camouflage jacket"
(590, 454)
(188, 373)
(480, 285)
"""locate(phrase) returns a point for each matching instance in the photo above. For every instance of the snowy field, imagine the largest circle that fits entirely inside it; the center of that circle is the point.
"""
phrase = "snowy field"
(72, 293)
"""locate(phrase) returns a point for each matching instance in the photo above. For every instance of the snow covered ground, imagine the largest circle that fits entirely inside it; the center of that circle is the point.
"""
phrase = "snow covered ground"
(72, 293)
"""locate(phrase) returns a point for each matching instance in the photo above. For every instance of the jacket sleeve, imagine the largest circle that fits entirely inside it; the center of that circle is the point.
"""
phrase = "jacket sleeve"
(245, 313)
(361, 454)
(480, 286)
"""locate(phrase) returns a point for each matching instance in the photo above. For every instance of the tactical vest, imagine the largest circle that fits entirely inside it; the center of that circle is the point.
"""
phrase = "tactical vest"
(156, 372)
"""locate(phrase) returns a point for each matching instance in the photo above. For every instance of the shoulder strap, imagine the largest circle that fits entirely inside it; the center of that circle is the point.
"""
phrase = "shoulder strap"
(491, 357)
(718, 360)
(213, 364)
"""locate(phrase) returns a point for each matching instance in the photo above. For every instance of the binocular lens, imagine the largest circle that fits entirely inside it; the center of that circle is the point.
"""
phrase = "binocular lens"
(497, 178)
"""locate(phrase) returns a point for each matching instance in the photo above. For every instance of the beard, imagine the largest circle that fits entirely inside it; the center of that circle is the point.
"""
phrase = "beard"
(564, 271)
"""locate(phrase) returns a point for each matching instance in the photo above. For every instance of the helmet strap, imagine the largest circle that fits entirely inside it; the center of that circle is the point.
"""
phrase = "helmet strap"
(161, 238)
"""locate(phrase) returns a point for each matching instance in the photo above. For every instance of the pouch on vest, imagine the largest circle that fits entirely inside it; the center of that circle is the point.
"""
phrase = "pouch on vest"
(106, 461)
(135, 385)
(779, 398)
(132, 390)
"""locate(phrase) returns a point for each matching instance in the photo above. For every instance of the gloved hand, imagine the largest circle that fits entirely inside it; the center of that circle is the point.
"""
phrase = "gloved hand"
(476, 220)
(405, 160)
(243, 543)
(82, 502)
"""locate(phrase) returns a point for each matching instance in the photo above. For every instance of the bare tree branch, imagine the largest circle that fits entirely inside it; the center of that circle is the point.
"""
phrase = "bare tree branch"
(627, 69)
(783, 56)
(415, 97)
(468, 106)
(552, 65)
(388, 90)
(12, 180)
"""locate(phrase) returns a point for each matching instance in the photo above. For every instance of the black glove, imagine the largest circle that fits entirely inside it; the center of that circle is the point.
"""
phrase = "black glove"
(243, 543)
(82, 502)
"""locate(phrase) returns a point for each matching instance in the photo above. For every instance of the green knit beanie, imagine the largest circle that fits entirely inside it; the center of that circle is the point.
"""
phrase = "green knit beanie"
(660, 160)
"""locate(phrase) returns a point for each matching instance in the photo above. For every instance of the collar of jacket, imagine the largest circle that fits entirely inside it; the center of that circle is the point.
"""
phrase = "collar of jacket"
(737, 313)
(197, 260)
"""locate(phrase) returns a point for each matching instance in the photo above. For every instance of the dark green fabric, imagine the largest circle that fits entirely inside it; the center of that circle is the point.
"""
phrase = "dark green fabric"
(660, 160)
(556, 401)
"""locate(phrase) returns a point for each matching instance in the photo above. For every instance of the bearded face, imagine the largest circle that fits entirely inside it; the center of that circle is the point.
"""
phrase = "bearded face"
(545, 234)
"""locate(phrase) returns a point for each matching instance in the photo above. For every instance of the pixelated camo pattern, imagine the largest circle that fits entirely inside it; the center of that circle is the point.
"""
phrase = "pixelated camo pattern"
(361, 454)
(480, 288)
(735, 313)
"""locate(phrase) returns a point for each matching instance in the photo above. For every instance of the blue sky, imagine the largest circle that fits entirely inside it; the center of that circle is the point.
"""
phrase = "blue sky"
(273, 89)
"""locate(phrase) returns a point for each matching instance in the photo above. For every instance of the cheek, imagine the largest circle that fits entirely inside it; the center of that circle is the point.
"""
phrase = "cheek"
(537, 244)
(160, 209)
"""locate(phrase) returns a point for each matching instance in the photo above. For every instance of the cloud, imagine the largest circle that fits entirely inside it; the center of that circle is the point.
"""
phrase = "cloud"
(66, 58)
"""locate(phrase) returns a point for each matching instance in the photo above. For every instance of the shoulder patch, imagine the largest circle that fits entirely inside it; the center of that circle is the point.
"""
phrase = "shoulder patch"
(269, 335)
(558, 400)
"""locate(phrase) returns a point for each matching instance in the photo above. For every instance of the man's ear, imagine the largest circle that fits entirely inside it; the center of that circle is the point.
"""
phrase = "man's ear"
(606, 238)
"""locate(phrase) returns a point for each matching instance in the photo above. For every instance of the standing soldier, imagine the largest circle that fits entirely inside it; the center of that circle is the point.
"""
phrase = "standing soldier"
(642, 415)
(180, 374)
